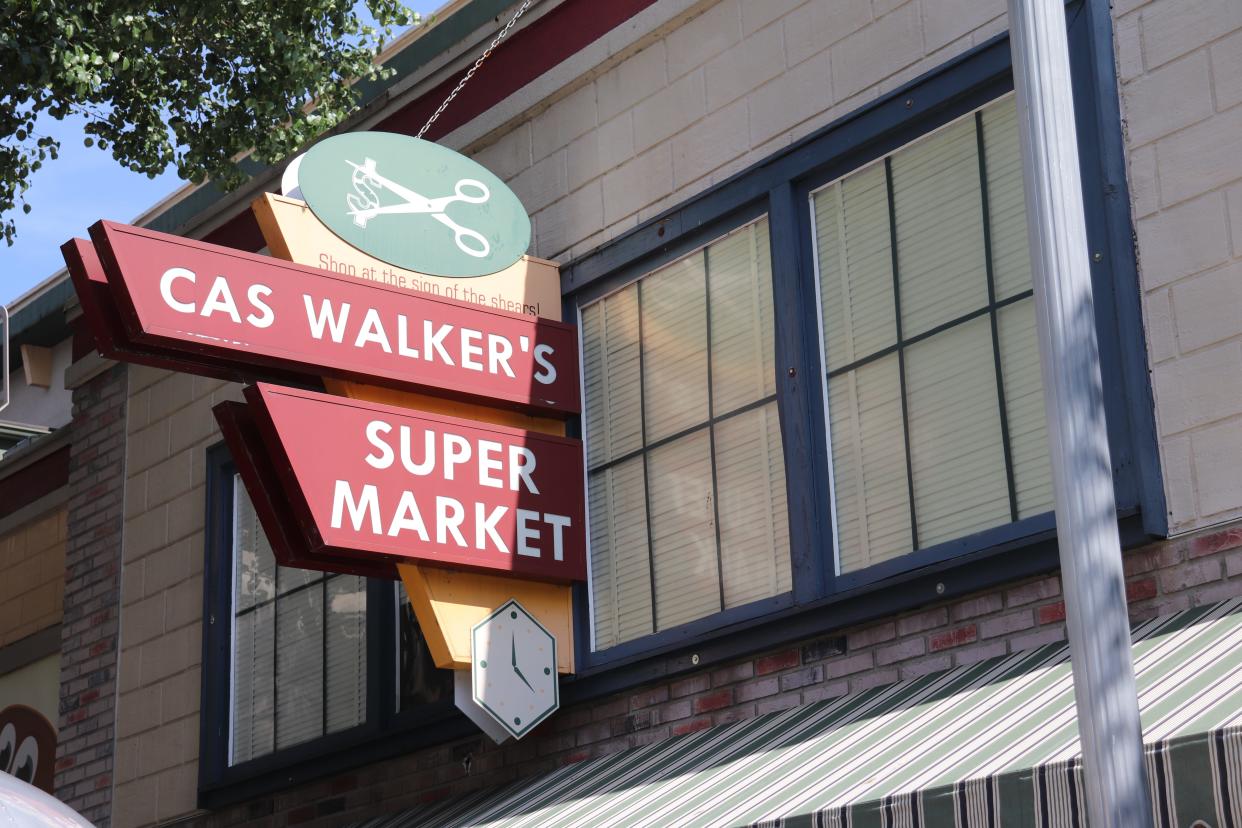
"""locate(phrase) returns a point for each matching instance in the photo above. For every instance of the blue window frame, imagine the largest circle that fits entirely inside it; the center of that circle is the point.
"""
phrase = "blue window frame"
(779, 188)
(303, 674)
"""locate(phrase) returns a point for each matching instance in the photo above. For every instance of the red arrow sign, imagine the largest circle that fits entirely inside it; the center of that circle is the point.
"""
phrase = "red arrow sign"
(254, 465)
(395, 484)
(201, 303)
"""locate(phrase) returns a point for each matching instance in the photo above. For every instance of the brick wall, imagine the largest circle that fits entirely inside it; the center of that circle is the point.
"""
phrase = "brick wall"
(169, 428)
(91, 583)
(1180, 69)
(32, 558)
(1163, 577)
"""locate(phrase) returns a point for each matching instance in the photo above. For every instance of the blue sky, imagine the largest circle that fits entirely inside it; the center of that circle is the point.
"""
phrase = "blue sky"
(66, 196)
(69, 194)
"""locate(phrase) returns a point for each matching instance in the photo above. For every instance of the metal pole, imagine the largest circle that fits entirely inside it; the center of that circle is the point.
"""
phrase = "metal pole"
(1082, 479)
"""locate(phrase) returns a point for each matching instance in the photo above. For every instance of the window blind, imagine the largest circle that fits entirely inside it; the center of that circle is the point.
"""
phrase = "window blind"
(686, 476)
(299, 646)
(935, 404)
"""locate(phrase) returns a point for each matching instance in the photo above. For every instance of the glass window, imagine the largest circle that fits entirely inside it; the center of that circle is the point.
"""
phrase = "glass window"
(686, 476)
(299, 646)
(935, 403)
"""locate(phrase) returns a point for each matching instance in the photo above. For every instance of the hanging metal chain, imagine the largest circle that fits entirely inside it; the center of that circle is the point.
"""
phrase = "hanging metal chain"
(475, 68)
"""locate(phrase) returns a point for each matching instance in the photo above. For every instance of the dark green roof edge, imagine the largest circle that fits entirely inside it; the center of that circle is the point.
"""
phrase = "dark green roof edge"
(50, 302)
(41, 321)
(437, 39)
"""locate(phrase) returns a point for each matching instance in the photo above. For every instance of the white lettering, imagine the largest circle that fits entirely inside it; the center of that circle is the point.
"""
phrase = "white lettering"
(488, 464)
(456, 452)
(343, 498)
(166, 281)
(408, 517)
(521, 464)
(446, 523)
(548, 376)
(470, 351)
(485, 525)
(220, 298)
(429, 453)
(372, 331)
(374, 429)
(499, 350)
(526, 533)
(253, 294)
(559, 522)
(435, 342)
(335, 324)
(403, 338)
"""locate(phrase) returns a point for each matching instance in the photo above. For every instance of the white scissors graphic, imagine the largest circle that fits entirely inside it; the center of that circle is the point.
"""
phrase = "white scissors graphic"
(364, 205)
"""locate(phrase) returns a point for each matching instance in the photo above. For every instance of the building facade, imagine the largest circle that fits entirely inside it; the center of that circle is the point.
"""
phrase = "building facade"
(792, 236)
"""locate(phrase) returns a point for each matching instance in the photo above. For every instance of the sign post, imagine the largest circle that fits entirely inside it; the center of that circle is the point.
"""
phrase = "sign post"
(1086, 514)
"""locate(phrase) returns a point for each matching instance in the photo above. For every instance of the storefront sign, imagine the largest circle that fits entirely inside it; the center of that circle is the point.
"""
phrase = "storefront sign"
(377, 481)
(289, 543)
(199, 300)
(413, 204)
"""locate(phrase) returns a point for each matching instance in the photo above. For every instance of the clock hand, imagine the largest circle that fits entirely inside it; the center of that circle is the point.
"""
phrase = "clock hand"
(513, 646)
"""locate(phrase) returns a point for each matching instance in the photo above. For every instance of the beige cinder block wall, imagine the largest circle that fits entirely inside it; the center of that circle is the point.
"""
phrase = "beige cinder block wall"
(1179, 66)
(170, 426)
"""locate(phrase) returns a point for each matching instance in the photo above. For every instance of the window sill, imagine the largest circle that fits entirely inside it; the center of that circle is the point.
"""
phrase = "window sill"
(935, 581)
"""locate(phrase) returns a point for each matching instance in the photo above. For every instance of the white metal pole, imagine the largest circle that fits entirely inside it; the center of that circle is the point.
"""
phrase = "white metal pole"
(1082, 479)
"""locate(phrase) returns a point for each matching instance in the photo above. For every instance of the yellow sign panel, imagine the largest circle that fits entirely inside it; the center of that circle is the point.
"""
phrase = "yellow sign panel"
(531, 286)
(446, 603)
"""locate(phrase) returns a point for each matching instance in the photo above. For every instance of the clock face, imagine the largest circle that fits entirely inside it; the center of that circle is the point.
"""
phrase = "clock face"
(513, 671)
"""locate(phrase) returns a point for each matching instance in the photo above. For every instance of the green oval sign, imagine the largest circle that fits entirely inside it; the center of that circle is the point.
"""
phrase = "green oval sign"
(414, 204)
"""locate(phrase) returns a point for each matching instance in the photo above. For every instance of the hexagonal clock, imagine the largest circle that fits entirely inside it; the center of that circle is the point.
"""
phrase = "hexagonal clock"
(513, 669)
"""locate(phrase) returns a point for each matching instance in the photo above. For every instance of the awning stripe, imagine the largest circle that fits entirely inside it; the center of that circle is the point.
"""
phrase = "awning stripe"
(974, 746)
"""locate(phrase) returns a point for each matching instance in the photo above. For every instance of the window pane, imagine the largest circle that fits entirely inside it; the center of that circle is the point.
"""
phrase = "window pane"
(657, 557)
(346, 652)
(620, 561)
(1024, 407)
(869, 465)
(254, 565)
(739, 274)
(299, 666)
(289, 578)
(611, 377)
(855, 267)
(957, 458)
(253, 683)
(683, 531)
(1011, 261)
(939, 221)
(420, 682)
(754, 525)
(674, 314)
(299, 662)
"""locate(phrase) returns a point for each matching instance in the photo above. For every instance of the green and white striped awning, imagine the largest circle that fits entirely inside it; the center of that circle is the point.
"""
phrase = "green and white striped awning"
(994, 744)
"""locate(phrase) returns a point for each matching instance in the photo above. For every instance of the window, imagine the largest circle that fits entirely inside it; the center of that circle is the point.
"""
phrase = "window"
(812, 394)
(302, 665)
(686, 476)
(299, 646)
(935, 404)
